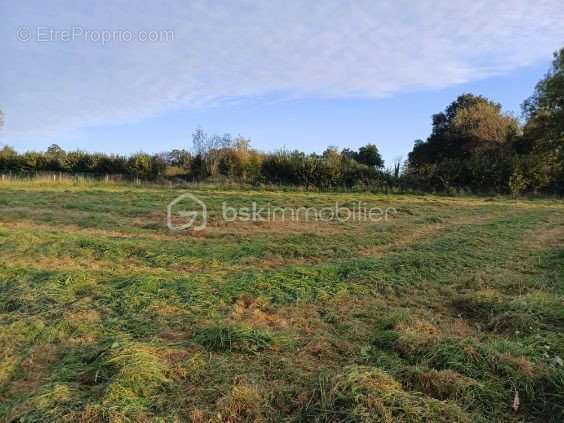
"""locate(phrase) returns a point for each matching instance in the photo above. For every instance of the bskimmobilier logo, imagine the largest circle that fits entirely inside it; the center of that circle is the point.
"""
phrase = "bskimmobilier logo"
(188, 212)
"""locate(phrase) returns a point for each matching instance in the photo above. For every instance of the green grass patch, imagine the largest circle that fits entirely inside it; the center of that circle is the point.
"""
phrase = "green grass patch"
(445, 313)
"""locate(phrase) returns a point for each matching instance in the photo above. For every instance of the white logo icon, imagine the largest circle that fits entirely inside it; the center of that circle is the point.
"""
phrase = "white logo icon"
(191, 213)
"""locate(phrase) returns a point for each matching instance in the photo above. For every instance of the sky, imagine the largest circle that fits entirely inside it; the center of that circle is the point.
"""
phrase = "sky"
(124, 76)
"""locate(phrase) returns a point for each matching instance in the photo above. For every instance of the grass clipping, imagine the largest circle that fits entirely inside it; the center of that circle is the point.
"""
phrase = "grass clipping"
(369, 394)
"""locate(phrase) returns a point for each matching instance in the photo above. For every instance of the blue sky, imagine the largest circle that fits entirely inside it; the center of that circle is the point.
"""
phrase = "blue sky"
(293, 74)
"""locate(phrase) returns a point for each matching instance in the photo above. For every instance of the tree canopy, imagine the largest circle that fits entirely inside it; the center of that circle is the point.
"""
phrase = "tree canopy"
(468, 124)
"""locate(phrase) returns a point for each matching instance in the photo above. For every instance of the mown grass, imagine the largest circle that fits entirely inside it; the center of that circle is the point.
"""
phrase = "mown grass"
(452, 311)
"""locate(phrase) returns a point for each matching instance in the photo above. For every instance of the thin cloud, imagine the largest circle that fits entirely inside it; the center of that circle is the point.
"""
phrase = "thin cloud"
(232, 49)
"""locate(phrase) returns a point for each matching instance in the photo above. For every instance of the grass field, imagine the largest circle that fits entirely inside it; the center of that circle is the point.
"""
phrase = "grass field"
(451, 311)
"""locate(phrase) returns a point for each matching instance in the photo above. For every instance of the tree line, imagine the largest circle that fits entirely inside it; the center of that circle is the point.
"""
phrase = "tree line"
(213, 158)
(474, 146)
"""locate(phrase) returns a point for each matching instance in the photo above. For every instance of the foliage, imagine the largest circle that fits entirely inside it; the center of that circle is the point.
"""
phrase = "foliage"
(544, 132)
(214, 158)
(475, 146)
(468, 148)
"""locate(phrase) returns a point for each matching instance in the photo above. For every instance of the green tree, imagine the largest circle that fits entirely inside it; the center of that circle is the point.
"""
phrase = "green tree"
(33, 161)
(55, 157)
(547, 102)
(468, 123)
(471, 130)
(180, 158)
(9, 160)
(370, 156)
(140, 165)
(78, 162)
(543, 138)
(484, 124)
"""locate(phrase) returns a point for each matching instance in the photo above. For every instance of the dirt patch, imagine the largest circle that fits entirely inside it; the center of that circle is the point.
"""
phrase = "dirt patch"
(256, 313)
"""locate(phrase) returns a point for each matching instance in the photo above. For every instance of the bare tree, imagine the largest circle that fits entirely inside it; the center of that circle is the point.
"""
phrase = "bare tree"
(397, 166)
(209, 148)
